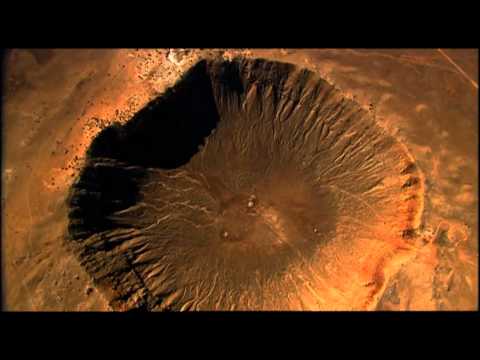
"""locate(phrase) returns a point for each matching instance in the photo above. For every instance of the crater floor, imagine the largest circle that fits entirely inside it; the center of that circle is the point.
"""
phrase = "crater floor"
(240, 180)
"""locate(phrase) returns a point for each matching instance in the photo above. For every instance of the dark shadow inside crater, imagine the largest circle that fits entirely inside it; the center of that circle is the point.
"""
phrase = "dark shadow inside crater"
(169, 130)
(211, 192)
(103, 188)
(165, 134)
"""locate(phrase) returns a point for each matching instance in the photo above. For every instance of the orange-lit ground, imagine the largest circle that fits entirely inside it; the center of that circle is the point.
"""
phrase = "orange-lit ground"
(57, 101)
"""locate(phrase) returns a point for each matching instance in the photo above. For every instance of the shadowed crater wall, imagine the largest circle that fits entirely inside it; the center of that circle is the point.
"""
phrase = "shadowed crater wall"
(248, 185)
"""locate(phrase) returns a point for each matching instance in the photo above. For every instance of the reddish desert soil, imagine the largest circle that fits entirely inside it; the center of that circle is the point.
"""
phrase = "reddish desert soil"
(56, 101)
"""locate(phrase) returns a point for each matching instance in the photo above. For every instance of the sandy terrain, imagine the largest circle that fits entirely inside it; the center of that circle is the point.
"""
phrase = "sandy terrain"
(57, 101)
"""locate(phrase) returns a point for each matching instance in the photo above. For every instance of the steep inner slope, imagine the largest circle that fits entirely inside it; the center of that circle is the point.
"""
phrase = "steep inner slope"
(249, 185)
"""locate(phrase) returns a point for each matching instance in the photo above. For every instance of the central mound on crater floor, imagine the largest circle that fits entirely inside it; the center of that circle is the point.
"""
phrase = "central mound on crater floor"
(248, 185)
